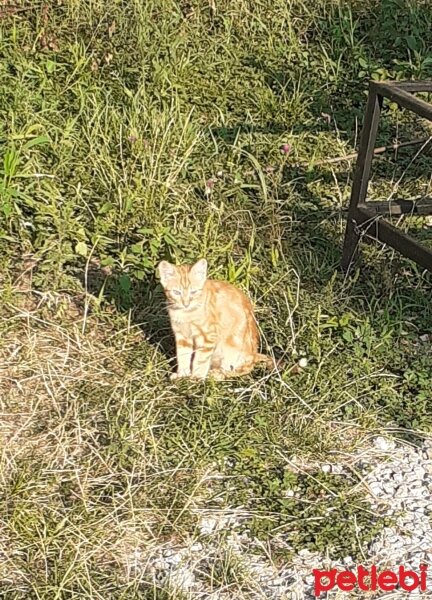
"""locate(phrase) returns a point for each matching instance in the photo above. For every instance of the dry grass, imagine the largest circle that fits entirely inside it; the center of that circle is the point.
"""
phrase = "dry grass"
(139, 131)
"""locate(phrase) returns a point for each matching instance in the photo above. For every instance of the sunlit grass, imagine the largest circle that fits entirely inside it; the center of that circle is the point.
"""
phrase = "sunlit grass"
(115, 118)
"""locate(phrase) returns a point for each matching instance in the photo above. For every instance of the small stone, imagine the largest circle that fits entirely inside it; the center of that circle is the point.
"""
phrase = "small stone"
(337, 469)
(402, 490)
(208, 525)
(384, 444)
(376, 488)
(182, 578)
(388, 488)
(304, 552)
(174, 560)
(386, 474)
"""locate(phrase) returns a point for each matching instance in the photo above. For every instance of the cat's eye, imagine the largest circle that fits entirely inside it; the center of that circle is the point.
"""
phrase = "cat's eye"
(192, 292)
(176, 292)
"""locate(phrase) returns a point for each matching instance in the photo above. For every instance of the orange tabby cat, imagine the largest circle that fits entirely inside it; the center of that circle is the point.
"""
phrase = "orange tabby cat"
(213, 323)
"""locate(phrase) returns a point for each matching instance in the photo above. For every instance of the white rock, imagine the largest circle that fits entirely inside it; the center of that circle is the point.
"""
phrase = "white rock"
(384, 444)
(207, 525)
(389, 488)
(403, 483)
(337, 469)
(160, 564)
(182, 578)
(376, 488)
(175, 559)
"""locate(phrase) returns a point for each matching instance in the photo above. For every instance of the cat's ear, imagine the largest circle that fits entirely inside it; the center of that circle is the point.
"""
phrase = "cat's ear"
(199, 271)
(167, 271)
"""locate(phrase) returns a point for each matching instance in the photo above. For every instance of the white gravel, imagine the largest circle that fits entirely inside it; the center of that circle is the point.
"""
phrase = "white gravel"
(404, 486)
(398, 482)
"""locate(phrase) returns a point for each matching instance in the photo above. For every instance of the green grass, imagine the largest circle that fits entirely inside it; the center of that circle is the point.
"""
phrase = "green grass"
(115, 116)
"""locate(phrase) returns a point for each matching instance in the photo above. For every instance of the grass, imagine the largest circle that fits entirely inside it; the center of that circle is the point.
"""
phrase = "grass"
(136, 131)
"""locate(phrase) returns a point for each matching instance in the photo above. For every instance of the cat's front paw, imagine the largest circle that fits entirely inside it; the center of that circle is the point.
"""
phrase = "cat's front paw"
(217, 374)
(179, 375)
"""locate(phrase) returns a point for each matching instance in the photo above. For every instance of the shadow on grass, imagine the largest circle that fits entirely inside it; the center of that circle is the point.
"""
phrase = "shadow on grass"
(393, 284)
(144, 299)
(319, 233)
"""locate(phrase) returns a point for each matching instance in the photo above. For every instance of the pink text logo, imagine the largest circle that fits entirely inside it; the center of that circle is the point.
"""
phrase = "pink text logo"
(369, 580)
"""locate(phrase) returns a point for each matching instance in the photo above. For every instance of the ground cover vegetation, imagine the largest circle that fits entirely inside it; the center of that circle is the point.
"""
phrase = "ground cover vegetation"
(135, 131)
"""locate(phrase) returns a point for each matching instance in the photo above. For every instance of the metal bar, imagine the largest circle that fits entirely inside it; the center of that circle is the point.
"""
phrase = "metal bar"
(365, 217)
(406, 100)
(377, 151)
(422, 206)
(409, 86)
(362, 173)
(386, 233)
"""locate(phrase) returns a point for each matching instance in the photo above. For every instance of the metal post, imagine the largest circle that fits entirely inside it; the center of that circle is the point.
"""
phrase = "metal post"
(362, 173)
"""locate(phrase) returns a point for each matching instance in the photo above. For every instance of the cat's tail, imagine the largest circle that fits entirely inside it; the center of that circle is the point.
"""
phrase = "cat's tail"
(248, 366)
(279, 364)
(269, 362)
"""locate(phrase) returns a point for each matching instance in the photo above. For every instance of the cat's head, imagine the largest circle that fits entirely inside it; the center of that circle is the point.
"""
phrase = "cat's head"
(184, 284)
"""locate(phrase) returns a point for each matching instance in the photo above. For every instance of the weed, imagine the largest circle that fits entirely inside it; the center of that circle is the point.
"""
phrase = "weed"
(138, 131)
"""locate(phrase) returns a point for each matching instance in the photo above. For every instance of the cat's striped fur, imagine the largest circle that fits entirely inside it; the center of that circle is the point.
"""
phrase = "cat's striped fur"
(213, 323)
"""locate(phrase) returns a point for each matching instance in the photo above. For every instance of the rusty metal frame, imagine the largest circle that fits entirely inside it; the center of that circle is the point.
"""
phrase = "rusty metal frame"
(366, 217)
